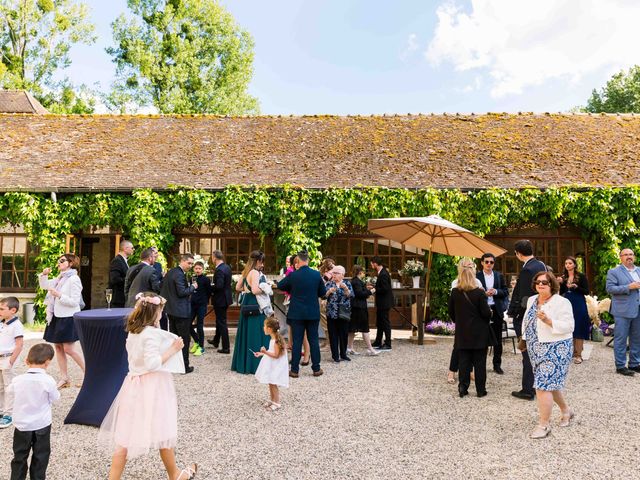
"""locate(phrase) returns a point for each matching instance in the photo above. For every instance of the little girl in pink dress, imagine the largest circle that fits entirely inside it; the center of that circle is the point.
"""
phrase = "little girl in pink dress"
(144, 415)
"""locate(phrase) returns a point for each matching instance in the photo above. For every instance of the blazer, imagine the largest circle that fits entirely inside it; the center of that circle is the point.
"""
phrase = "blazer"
(140, 278)
(559, 310)
(117, 275)
(177, 291)
(384, 294)
(305, 286)
(202, 294)
(360, 293)
(523, 288)
(502, 291)
(222, 286)
(71, 295)
(471, 314)
(624, 302)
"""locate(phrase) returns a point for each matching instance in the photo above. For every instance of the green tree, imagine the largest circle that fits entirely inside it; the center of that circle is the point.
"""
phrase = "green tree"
(182, 57)
(621, 94)
(35, 39)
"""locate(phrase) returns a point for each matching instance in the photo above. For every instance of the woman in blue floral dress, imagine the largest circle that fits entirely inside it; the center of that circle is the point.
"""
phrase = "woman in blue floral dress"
(339, 293)
(547, 329)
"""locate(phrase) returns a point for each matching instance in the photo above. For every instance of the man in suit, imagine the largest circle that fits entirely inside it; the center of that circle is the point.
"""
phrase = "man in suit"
(496, 291)
(305, 287)
(177, 291)
(517, 308)
(623, 284)
(156, 264)
(384, 302)
(221, 301)
(141, 278)
(118, 273)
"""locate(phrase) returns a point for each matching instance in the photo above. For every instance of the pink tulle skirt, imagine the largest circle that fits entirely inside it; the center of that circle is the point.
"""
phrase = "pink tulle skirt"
(144, 415)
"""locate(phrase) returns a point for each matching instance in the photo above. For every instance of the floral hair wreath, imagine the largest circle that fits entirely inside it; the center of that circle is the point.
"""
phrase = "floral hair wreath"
(156, 300)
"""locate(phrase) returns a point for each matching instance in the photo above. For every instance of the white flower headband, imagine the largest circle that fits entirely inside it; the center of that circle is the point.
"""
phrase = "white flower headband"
(157, 300)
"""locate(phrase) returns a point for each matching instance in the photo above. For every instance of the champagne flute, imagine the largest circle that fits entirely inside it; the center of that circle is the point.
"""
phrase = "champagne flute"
(108, 293)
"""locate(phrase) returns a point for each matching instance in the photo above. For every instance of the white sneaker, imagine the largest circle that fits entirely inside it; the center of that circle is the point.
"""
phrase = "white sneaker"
(372, 353)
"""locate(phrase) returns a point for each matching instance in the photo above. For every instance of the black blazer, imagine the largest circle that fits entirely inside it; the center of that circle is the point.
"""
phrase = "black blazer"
(471, 317)
(202, 294)
(582, 285)
(305, 286)
(523, 288)
(177, 291)
(384, 294)
(117, 275)
(222, 286)
(360, 294)
(140, 278)
(502, 292)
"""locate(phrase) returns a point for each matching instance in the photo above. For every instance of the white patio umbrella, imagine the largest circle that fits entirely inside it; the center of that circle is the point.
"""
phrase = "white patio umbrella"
(435, 234)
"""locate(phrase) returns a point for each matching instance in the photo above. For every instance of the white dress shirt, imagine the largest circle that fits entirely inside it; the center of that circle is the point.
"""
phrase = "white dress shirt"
(488, 280)
(33, 394)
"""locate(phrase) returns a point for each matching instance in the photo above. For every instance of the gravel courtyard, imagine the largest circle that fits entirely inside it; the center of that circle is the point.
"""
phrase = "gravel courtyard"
(391, 416)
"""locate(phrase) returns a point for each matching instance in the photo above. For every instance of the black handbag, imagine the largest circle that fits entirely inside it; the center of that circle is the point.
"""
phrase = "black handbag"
(344, 313)
(250, 310)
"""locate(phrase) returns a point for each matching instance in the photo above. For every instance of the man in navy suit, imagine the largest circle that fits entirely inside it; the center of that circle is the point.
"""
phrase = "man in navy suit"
(623, 284)
(221, 301)
(517, 308)
(496, 290)
(305, 287)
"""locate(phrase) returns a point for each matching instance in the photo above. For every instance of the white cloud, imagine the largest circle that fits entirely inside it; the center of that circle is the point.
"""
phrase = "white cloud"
(524, 43)
(411, 47)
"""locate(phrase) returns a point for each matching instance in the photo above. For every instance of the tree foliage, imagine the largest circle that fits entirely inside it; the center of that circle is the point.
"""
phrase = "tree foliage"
(607, 218)
(621, 94)
(182, 57)
(35, 39)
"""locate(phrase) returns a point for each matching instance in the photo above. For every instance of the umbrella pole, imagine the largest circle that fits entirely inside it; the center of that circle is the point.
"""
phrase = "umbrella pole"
(425, 316)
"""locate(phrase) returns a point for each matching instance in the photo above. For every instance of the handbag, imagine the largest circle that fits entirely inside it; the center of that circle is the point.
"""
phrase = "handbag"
(344, 313)
(250, 310)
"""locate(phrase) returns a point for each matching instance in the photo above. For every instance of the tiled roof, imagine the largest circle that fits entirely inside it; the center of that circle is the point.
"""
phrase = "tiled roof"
(19, 101)
(79, 153)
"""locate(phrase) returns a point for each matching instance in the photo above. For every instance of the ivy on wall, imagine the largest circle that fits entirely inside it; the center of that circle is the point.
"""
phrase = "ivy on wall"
(605, 217)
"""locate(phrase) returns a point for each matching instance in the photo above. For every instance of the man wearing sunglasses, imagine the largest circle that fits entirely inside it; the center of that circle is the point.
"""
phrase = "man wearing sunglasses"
(496, 290)
(518, 307)
(623, 284)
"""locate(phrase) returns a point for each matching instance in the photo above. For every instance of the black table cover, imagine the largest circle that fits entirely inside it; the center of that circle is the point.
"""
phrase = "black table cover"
(103, 338)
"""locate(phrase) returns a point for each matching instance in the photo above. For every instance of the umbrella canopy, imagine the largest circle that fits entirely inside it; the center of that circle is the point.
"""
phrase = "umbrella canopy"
(435, 234)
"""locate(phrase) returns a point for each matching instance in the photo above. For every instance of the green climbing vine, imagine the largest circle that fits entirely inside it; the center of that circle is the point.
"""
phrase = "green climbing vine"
(606, 217)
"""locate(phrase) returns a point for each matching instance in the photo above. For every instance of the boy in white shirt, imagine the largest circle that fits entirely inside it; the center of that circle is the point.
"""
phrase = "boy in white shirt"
(33, 393)
(11, 342)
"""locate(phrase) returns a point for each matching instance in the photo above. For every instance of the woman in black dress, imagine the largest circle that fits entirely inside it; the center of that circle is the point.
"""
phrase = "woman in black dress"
(574, 286)
(359, 311)
(469, 309)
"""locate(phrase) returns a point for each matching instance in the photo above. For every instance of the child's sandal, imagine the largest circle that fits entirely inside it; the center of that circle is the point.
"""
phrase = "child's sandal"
(266, 403)
(64, 384)
(274, 407)
(190, 472)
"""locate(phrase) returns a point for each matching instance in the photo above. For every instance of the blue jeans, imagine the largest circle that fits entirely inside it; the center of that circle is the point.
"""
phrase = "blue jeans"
(299, 327)
(627, 328)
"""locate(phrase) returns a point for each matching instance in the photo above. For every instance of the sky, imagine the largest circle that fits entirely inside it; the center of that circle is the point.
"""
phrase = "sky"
(414, 56)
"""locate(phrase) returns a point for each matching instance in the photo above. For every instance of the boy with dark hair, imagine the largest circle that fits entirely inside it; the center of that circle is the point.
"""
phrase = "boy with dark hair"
(33, 393)
(11, 342)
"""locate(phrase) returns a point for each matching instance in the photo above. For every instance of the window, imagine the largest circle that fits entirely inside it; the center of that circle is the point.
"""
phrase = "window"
(236, 248)
(18, 269)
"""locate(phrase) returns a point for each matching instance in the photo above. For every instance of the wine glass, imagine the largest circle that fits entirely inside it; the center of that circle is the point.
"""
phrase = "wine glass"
(108, 293)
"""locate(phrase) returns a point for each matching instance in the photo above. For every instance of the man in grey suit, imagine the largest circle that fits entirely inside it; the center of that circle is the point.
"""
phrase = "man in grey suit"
(623, 284)
(141, 278)
(177, 291)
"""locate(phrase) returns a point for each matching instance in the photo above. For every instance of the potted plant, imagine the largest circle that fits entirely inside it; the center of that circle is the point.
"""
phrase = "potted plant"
(414, 269)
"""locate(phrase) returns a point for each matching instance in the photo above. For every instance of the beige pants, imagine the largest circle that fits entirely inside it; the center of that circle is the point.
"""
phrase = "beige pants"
(7, 373)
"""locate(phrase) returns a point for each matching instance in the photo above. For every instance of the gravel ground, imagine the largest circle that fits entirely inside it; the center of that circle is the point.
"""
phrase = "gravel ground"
(392, 416)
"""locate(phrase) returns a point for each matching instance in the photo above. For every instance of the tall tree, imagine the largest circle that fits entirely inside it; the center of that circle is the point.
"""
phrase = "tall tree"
(35, 39)
(182, 56)
(621, 94)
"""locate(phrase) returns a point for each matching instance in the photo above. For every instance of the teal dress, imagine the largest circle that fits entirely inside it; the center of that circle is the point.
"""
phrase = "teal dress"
(250, 336)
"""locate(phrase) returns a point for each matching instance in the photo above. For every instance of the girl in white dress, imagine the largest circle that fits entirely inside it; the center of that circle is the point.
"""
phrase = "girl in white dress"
(274, 365)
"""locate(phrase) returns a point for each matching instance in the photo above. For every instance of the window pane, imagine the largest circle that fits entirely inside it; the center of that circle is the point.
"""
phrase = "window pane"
(383, 247)
(244, 246)
(18, 262)
(232, 246)
(5, 279)
(7, 262)
(205, 247)
(368, 247)
(21, 245)
(7, 245)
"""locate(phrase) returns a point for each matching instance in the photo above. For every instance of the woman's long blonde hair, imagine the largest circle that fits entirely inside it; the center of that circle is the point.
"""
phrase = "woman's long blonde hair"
(254, 257)
(466, 275)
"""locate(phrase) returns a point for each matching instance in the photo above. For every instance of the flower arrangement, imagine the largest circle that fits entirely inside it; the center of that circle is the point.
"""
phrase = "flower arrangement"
(438, 327)
(597, 308)
(413, 268)
(199, 258)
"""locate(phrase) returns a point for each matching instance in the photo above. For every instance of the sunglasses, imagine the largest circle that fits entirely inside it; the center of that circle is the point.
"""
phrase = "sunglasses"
(489, 262)
(62, 260)
(542, 282)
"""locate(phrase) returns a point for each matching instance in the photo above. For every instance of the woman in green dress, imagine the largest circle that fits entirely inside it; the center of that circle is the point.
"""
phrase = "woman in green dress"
(250, 336)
